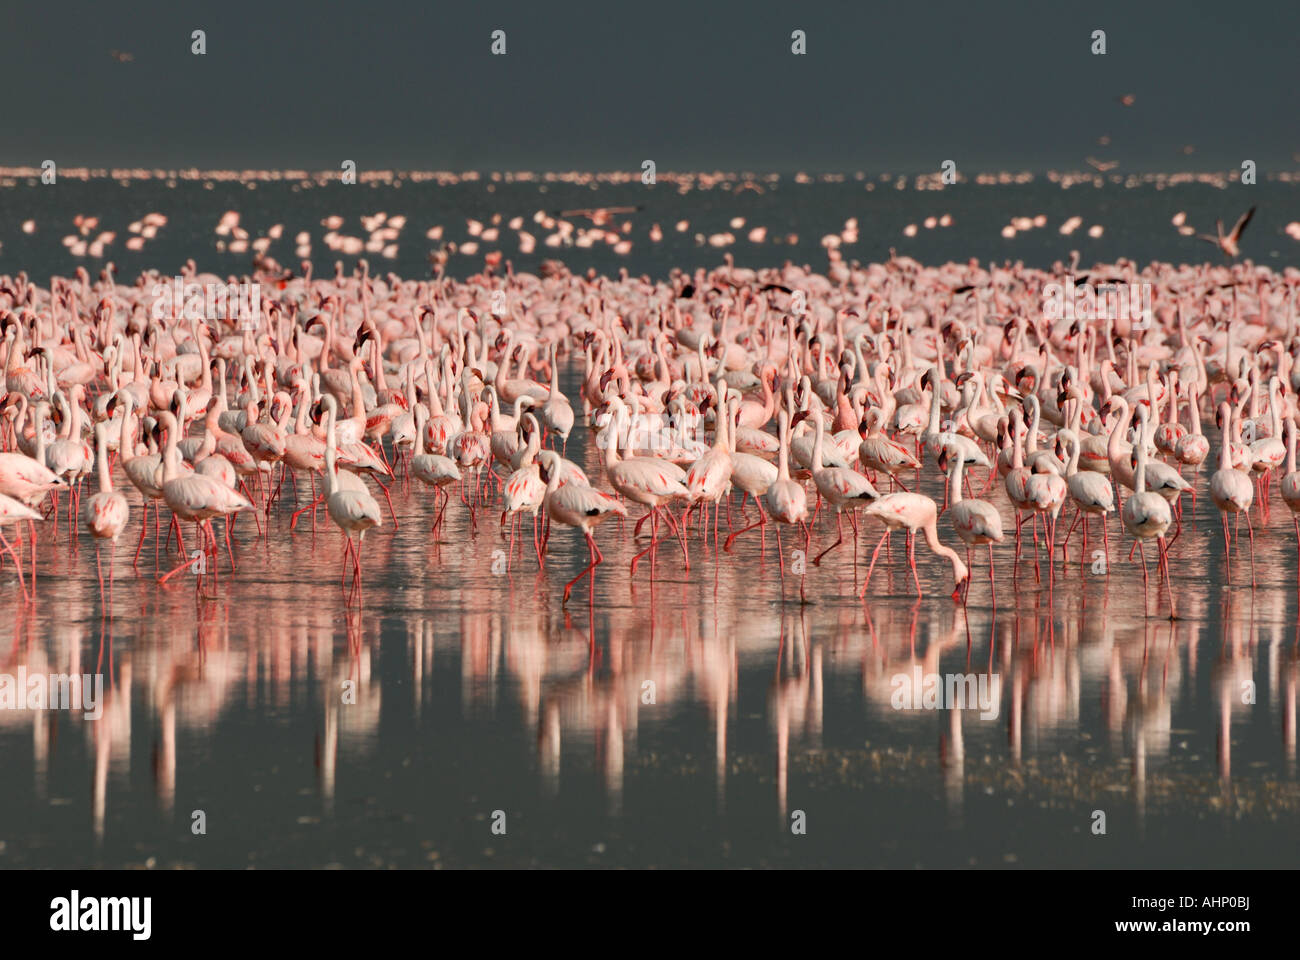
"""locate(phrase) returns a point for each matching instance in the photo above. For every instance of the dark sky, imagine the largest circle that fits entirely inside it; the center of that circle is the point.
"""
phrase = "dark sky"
(897, 86)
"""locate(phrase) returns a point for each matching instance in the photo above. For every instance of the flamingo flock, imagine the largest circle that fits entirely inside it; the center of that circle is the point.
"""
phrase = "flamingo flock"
(796, 395)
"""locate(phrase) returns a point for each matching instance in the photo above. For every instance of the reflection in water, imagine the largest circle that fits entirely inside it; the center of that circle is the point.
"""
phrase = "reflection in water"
(677, 720)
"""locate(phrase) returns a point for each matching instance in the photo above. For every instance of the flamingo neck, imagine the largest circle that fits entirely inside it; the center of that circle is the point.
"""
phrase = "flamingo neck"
(101, 444)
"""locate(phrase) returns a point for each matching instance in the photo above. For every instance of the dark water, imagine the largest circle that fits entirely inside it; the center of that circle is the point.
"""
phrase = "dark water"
(1136, 222)
(476, 691)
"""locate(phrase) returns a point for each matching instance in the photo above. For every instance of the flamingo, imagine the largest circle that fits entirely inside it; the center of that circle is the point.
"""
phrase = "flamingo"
(353, 510)
(913, 512)
(709, 477)
(193, 497)
(785, 500)
(878, 452)
(1232, 491)
(1290, 487)
(841, 487)
(106, 512)
(577, 505)
(15, 511)
(1231, 243)
(975, 521)
(1091, 492)
(432, 469)
(556, 413)
(651, 482)
(1147, 515)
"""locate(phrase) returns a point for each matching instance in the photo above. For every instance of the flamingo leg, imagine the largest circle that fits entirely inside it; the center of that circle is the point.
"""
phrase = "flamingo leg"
(993, 586)
(1250, 527)
(761, 521)
(839, 527)
(390, 501)
(293, 521)
(872, 566)
(1164, 563)
(144, 527)
(177, 569)
(590, 568)
(911, 559)
(654, 539)
(1296, 521)
(680, 534)
(17, 562)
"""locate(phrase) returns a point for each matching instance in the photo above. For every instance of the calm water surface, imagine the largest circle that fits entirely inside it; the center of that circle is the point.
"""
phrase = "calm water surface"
(478, 692)
(1136, 222)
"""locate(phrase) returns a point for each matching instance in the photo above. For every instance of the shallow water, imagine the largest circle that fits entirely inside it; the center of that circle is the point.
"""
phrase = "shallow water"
(1136, 222)
(477, 691)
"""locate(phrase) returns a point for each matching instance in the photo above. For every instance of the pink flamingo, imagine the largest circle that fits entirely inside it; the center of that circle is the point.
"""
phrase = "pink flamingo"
(106, 512)
(576, 505)
(785, 500)
(352, 508)
(913, 512)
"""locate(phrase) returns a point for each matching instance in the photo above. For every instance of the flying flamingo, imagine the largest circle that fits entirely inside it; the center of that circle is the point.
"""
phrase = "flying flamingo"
(1230, 244)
